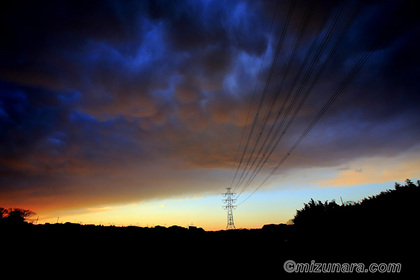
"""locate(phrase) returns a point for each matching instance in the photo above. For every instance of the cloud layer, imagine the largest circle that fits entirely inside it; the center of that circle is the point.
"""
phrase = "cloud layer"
(110, 101)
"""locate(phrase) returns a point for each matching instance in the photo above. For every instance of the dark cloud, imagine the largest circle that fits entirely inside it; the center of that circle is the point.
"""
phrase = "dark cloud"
(99, 97)
(27, 116)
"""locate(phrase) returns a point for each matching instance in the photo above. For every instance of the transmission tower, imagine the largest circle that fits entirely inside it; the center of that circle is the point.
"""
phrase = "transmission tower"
(229, 207)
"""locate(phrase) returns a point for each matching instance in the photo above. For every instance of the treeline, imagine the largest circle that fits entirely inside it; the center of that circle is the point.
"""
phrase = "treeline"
(397, 207)
(379, 228)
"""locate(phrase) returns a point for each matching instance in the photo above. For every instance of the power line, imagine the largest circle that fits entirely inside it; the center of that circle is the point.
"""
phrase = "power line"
(252, 101)
(356, 68)
(345, 82)
(273, 142)
(284, 73)
(262, 98)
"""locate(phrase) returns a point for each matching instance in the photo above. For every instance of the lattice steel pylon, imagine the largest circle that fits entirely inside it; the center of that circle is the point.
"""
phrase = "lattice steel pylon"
(229, 207)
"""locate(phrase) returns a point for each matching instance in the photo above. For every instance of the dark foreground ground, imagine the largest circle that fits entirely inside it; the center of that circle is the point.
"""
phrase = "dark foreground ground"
(380, 229)
(178, 251)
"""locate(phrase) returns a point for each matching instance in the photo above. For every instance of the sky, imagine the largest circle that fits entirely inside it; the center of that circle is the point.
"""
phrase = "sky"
(143, 112)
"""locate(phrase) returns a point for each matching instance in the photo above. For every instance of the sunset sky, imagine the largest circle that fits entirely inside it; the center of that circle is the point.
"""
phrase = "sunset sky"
(138, 112)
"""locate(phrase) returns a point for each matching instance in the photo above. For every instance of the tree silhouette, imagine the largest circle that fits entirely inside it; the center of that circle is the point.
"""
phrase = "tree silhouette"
(14, 216)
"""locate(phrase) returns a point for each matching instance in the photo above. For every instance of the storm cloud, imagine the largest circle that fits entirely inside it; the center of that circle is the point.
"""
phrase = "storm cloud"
(107, 101)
